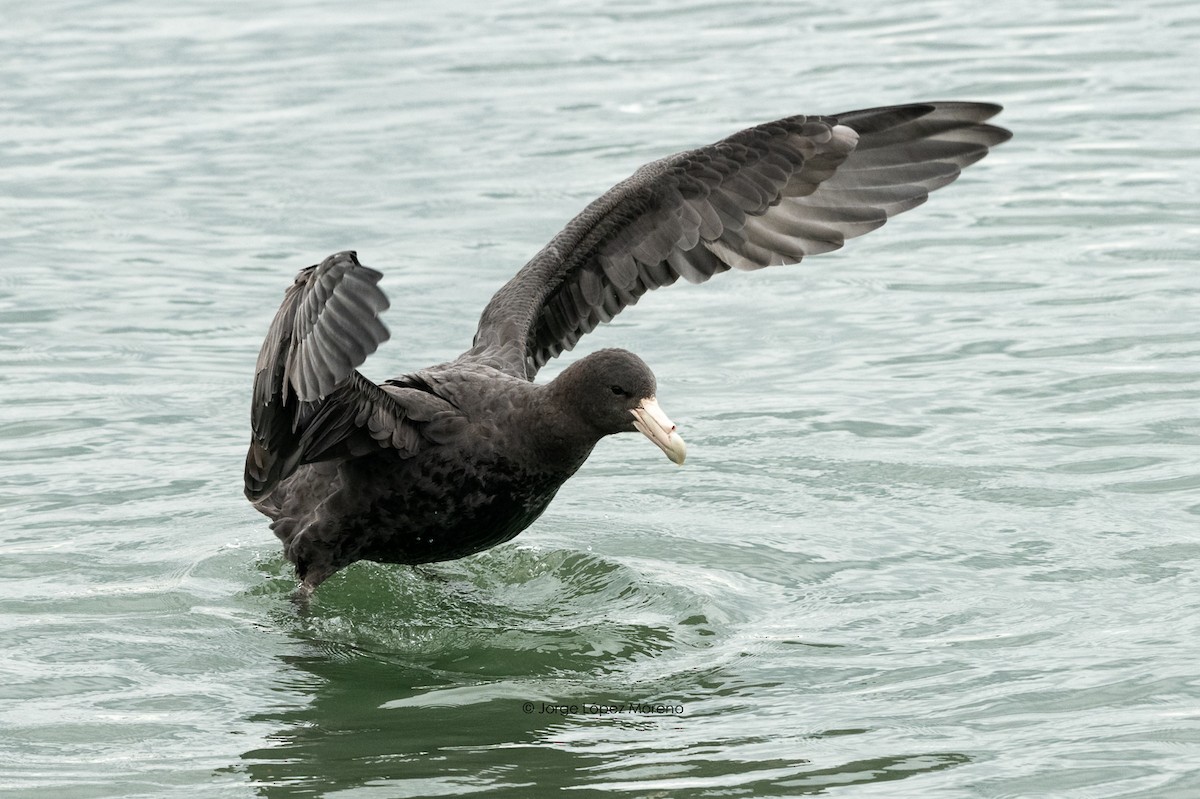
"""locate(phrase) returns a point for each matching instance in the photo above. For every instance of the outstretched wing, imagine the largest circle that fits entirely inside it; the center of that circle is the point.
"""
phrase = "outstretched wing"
(309, 402)
(768, 195)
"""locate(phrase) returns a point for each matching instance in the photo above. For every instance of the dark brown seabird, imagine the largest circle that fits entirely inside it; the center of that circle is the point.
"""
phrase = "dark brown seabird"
(454, 459)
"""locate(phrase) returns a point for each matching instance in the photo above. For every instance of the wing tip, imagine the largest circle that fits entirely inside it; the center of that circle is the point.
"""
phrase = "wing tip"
(943, 114)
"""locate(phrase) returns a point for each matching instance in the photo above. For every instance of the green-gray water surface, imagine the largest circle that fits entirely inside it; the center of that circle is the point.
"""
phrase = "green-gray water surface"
(937, 532)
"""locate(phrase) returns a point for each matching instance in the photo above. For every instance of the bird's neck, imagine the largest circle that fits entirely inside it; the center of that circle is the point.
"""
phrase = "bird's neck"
(562, 439)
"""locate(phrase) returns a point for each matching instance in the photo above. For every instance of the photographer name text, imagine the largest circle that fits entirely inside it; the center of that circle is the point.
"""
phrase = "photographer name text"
(604, 709)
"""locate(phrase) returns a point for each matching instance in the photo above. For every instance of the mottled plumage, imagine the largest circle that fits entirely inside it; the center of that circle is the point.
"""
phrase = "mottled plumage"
(459, 457)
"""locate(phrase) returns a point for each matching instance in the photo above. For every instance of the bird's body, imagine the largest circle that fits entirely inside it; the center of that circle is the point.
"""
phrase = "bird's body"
(390, 507)
(460, 457)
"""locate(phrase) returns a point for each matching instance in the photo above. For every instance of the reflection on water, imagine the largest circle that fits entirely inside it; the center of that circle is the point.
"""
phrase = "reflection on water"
(457, 663)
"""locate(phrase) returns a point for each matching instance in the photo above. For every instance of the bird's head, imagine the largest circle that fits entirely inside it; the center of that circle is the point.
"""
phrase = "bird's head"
(613, 390)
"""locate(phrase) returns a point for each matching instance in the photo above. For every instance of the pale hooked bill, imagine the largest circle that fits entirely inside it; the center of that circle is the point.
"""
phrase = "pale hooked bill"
(654, 424)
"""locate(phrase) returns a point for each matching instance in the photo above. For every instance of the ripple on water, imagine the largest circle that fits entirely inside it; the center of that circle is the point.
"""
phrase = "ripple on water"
(936, 536)
(516, 613)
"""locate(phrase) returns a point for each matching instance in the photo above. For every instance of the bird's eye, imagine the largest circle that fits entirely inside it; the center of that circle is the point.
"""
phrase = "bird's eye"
(620, 392)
